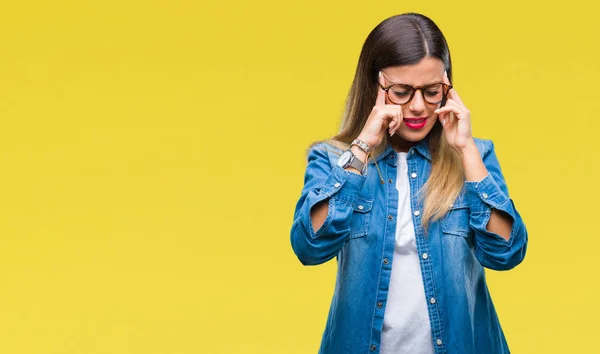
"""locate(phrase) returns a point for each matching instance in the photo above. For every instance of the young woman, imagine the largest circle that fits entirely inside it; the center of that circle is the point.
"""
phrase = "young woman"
(412, 206)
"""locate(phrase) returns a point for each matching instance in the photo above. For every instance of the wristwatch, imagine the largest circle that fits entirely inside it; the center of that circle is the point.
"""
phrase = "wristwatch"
(348, 159)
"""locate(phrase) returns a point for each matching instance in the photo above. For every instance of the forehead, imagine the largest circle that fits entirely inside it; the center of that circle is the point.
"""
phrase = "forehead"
(426, 71)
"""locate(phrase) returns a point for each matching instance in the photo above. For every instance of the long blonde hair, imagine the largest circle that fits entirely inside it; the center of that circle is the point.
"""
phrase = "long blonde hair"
(403, 40)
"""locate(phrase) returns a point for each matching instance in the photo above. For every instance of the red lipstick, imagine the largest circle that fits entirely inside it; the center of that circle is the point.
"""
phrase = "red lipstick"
(415, 123)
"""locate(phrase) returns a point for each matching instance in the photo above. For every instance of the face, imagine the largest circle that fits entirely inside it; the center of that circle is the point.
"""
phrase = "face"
(418, 114)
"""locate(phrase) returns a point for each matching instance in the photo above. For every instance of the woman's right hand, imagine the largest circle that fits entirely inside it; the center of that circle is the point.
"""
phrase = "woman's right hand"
(383, 117)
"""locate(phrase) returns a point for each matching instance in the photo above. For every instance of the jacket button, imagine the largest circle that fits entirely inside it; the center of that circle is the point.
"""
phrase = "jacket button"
(432, 300)
(417, 213)
(379, 305)
(373, 347)
(337, 185)
(390, 217)
(438, 342)
(425, 256)
(360, 207)
(413, 175)
(484, 195)
(390, 180)
(386, 261)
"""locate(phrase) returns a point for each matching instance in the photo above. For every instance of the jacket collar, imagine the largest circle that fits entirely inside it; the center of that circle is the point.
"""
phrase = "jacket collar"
(391, 157)
(423, 148)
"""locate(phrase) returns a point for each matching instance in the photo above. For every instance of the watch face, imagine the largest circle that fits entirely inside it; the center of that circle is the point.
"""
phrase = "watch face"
(345, 158)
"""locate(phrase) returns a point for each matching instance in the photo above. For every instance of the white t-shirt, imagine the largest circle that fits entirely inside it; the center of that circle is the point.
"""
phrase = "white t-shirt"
(406, 327)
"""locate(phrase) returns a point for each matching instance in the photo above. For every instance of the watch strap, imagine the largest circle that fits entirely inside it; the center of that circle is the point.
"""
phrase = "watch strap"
(356, 163)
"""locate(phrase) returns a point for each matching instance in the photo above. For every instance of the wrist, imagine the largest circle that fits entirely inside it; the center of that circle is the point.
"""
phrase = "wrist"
(469, 150)
(361, 145)
(473, 165)
(372, 145)
(359, 153)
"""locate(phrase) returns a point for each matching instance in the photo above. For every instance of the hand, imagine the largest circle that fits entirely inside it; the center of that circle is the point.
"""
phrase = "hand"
(456, 120)
(383, 117)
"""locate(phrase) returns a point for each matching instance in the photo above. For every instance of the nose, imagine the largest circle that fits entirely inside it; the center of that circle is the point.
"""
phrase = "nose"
(417, 104)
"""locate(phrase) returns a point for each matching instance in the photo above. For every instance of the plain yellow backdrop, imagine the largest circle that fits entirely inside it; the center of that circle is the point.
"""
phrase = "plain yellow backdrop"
(152, 153)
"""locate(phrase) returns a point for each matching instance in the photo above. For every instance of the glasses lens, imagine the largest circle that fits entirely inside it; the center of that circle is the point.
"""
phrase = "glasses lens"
(400, 94)
(433, 93)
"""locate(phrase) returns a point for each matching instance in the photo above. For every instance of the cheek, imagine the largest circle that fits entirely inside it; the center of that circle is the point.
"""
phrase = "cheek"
(432, 116)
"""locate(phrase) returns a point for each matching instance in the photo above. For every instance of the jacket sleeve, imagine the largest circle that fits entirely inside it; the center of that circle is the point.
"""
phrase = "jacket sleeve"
(340, 188)
(491, 249)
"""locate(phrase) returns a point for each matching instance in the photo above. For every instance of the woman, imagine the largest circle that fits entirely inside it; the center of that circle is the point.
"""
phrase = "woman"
(412, 206)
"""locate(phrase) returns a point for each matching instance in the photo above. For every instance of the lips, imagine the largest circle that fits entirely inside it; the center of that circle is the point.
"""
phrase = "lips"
(415, 122)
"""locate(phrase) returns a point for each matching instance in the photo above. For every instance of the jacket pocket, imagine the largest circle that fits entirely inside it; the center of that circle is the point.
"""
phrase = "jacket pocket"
(456, 221)
(361, 216)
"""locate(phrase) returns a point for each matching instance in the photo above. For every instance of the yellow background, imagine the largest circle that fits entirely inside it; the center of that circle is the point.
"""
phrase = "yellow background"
(152, 153)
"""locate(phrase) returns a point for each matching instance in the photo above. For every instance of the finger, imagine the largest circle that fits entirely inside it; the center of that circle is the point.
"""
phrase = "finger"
(449, 106)
(397, 122)
(380, 101)
(443, 119)
(447, 119)
(452, 93)
(443, 115)
(393, 122)
(459, 112)
(392, 126)
(449, 103)
(444, 110)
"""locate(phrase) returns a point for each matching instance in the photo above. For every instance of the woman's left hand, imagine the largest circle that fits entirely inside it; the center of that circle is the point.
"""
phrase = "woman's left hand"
(456, 120)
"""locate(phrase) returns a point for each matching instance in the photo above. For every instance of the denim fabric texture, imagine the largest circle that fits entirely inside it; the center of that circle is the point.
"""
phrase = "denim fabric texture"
(359, 232)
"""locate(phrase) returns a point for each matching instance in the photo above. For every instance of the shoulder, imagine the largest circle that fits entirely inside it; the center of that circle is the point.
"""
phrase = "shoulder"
(325, 150)
(484, 146)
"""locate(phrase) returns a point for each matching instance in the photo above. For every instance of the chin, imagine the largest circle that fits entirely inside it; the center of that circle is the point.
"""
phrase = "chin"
(413, 136)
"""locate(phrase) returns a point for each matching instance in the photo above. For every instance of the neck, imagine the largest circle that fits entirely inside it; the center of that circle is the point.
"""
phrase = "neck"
(401, 145)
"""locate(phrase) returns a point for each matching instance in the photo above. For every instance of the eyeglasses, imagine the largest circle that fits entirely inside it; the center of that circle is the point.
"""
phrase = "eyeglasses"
(402, 94)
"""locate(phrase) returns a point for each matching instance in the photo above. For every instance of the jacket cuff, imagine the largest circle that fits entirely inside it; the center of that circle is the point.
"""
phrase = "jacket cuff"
(486, 194)
(343, 185)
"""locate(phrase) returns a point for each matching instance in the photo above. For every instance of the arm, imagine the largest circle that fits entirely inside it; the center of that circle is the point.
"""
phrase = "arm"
(316, 236)
(319, 212)
(500, 223)
(500, 234)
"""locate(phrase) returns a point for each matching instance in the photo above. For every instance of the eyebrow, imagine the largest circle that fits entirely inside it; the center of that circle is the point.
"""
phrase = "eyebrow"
(399, 83)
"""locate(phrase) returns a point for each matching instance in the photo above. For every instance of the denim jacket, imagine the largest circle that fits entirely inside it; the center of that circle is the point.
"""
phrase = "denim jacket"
(360, 232)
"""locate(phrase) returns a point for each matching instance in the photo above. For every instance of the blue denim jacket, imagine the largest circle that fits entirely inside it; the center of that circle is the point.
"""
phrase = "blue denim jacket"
(360, 231)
